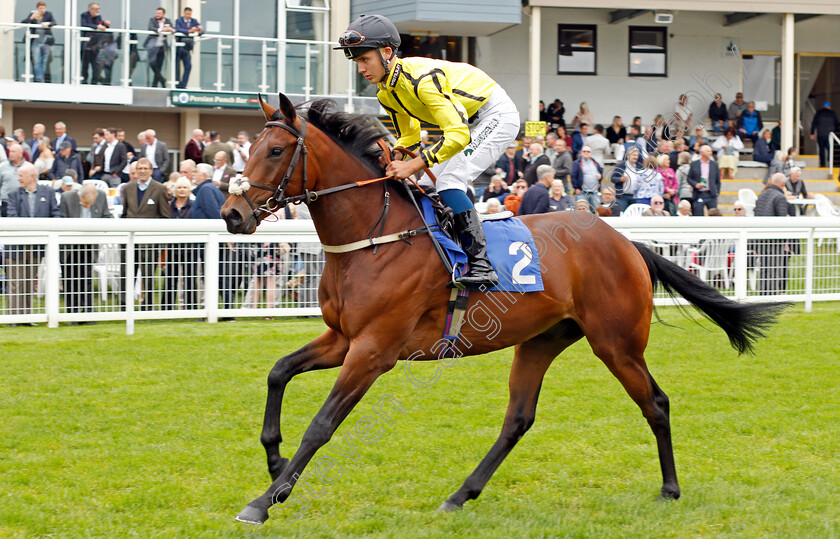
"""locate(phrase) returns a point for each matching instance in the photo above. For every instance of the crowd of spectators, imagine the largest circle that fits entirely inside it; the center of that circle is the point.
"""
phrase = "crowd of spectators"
(43, 177)
(676, 163)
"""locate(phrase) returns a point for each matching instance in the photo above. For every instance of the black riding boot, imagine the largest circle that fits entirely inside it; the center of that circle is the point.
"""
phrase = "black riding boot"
(474, 244)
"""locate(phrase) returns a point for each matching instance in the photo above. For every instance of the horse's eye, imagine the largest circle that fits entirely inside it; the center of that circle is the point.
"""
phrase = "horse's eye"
(276, 151)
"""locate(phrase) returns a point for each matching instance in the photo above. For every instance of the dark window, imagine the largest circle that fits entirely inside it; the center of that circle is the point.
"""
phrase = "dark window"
(648, 51)
(577, 49)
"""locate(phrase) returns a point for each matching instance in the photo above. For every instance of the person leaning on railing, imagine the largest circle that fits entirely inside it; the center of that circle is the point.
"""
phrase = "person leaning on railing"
(92, 19)
(42, 39)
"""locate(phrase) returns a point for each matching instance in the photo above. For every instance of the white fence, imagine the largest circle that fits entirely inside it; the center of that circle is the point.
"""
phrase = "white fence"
(66, 271)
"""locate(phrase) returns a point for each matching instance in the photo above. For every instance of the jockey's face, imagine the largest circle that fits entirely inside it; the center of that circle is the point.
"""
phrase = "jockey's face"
(370, 65)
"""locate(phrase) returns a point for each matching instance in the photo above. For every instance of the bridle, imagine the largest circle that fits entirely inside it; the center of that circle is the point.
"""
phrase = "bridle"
(241, 184)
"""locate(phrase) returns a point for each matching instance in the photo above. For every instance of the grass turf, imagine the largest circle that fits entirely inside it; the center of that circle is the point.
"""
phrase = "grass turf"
(157, 435)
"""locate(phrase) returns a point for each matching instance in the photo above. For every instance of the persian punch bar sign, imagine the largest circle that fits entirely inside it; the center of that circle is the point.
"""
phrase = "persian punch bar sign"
(183, 98)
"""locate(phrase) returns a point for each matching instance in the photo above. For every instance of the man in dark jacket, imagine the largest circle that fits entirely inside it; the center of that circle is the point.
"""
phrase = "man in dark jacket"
(536, 199)
(537, 158)
(824, 123)
(65, 159)
(156, 46)
(92, 19)
(772, 202)
(717, 114)
(704, 178)
(42, 39)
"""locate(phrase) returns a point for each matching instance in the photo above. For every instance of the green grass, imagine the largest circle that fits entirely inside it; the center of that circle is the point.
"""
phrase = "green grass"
(157, 435)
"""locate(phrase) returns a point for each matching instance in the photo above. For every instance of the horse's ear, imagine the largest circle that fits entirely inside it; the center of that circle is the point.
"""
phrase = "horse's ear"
(287, 109)
(267, 109)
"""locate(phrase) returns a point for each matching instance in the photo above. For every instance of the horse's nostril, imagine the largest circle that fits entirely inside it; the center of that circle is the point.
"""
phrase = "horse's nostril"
(233, 216)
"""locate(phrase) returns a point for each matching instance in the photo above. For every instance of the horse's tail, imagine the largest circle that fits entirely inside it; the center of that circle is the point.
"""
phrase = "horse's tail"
(743, 323)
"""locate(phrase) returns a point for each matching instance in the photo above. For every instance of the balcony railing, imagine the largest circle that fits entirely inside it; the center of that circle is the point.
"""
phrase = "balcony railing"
(220, 62)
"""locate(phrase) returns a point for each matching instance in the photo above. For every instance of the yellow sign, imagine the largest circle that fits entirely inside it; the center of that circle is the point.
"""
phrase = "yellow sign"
(534, 129)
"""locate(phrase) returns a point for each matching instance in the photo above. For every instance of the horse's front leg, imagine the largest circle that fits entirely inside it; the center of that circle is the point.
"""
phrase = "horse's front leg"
(325, 352)
(364, 363)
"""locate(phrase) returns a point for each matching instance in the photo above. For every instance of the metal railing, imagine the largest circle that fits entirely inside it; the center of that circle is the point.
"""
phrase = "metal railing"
(832, 140)
(56, 271)
(281, 53)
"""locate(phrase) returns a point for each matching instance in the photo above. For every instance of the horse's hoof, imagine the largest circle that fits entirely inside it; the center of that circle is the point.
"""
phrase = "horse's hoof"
(252, 515)
(448, 507)
(668, 496)
(277, 470)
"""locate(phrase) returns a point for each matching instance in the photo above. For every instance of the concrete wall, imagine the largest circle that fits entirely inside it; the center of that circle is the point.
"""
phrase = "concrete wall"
(696, 43)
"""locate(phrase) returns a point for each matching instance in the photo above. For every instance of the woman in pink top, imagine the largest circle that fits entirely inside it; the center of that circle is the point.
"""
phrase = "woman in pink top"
(669, 181)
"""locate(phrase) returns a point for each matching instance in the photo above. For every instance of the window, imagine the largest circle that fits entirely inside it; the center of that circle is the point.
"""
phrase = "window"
(648, 51)
(577, 49)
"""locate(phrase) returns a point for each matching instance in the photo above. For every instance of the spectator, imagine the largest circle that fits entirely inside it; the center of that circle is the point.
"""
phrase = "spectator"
(536, 198)
(738, 209)
(90, 49)
(776, 136)
(796, 189)
(561, 135)
(513, 200)
(19, 137)
(28, 200)
(506, 165)
(311, 256)
(130, 155)
(558, 200)
(750, 124)
(186, 169)
(683, 118)
(195, 146)
(481, 182)
(698, 135)
(625, 176)
(772, 202)
(222, 171)
(241, 151)
(609, 202)
(42, 39)
(657, 208)
(191, 28)
(112, 159)
(586, 178)
(65, 184)
(494, 206)
(536, 158)
(157, 153)
(38, 131)
(156, 46)
(728, 145)
(77, 260)
(182, 259)
(735, 109)
(214, 146)
(776, 165)
(562, 162)
(616, 134)
(630, 142)
(650, 185)
(45, 160)
(497, 189)
(98, 138)
(669, 182)
(555, 114)
(145, 199)
(718, 116)
(522, 157)
(684, 209)
(108, 52)
(66, 160)
(9, 171)
(61, 137)
(579, 139)
(684, 190)
(268, 266)
(550, 143)
(208, 198)
(599, 144)
(763, 151)
(583, 116)
(704, 178)
(824, 123)
(714, 212)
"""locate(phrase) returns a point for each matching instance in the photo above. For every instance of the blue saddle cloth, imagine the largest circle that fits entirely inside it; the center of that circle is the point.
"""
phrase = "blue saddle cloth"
(510, 248)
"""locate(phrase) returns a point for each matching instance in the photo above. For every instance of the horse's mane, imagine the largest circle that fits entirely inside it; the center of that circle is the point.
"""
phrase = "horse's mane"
(356, 133)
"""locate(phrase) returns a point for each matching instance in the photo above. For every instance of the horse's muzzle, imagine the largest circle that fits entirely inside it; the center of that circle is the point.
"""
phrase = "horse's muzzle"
(236, 224)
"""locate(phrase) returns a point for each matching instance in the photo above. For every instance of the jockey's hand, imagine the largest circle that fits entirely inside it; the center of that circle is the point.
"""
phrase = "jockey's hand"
(396, 155)
(400, 170)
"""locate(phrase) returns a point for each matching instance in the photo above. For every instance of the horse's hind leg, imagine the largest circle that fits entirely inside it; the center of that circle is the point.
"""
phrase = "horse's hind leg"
(325, 352)
(530, 363)
(624, 356)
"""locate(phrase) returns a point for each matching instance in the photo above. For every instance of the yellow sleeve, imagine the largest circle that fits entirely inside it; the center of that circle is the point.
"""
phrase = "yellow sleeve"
(408, 128)
(448, 114)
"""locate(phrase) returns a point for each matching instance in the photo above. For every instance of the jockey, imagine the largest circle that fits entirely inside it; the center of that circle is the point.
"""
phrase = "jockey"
(477, 118)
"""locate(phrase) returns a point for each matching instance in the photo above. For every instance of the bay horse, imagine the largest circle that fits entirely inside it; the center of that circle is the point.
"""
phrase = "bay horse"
(385, 305)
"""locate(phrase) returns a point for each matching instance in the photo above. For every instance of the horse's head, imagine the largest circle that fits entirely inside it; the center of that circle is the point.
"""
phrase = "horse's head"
(275, 170)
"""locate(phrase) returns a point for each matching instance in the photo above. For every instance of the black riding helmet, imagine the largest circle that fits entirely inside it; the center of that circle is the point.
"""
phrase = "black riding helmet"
(367, 33)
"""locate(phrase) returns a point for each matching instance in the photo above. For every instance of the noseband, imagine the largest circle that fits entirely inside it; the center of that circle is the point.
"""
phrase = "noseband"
(241, 184)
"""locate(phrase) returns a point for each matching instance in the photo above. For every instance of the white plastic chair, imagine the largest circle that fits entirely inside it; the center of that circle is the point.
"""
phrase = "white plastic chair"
(747, 197)
(825, 209)
(713, 260)
(99, 184)
(635, 210)
(107, 268)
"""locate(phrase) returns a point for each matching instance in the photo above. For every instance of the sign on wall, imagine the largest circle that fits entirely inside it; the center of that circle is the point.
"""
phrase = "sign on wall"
(183, 98)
